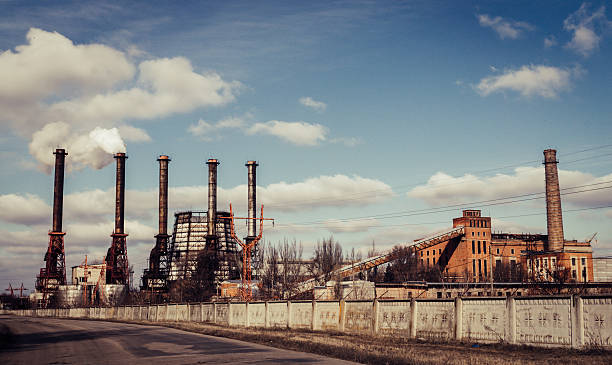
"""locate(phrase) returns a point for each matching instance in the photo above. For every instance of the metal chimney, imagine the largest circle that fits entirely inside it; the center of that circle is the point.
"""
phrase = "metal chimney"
(553, 202)
(58, 189)
(212, 198)
(252, 196)
(120, 193)
(163, 194)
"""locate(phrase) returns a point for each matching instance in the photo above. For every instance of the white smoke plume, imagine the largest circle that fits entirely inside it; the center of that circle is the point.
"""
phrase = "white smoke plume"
(94, 149)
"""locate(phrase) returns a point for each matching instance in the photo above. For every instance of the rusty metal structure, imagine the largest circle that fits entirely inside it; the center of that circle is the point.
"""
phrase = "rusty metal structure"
(155, 278)
(197, 231)
(116, 257)
(54, 272)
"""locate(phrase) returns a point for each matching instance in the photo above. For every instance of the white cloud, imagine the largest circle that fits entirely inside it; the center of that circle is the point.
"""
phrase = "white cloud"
(133, 134)
(51, 65)
(584, 25)
(51, 80)
(94, 149)
(532, 80)
(505, 28)
(298, 133)
(550, 41)
(206, 131)
(314, 104)
(443, 189)
(25, 209)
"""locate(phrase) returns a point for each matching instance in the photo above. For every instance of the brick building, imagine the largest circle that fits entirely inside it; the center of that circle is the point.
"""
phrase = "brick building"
(478, 252)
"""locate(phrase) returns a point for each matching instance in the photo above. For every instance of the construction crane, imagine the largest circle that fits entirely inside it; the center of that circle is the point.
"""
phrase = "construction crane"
(245, 291)
(592, 237)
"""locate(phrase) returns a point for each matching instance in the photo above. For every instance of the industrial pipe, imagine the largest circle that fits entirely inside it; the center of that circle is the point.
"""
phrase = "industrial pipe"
(58, 189)
(554, 219)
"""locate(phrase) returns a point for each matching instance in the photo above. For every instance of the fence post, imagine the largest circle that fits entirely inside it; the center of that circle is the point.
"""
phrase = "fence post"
(342, 306)
(413, 318)
(375, 309)
(458, 318)
(214, 312)
(577, 316)
(511, 325)
(314, 313)
(267, 317)
(289, 314)
(230, 314)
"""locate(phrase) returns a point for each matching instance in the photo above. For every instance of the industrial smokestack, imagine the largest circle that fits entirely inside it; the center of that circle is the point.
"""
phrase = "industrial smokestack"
(120, 193)
(212, 197)
(163, 194)
(553, 202)
(58, 189)
(252, 182)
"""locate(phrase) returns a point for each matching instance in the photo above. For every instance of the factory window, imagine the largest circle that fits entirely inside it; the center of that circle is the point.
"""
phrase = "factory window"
(479, 267)
(439, 294)
(478, 234)
(573, 261)
(439, 251)
(497, 263)
(421, 253)
(434, 260)
(553, 262)
(473, 247)
(498, 251)
(474, 267)
(484, 234)
(512, 251)
(478, 246)
(574, 274)
(428, 254)
(584, 274)
(485, 267)
(583, 261)
(484, 247)
(428, 261)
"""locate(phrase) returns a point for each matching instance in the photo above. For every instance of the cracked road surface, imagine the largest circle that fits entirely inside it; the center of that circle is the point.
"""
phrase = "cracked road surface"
(64, 341)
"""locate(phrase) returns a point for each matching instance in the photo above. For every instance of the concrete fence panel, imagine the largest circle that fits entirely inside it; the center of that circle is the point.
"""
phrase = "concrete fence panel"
(597, 317)
(238, 314)
(544, 321)
(195, 313)
(257, 314)
(171, 312)
(327, 316)
(358, 316)
(484, 320)
(182, 312)
(153, 313)
(222, 313)
(394, 317)
(162, 310)
(301, 315)
(435, 319)
(277, 314)
(208, 312)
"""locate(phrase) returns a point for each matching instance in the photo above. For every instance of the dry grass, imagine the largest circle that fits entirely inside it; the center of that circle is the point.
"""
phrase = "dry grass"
(368, 349)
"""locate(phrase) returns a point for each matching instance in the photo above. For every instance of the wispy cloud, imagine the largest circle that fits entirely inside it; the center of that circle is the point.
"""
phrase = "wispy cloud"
(298, 133)
(532, 80)
(585, 27)
(505, 28)
(314, 104)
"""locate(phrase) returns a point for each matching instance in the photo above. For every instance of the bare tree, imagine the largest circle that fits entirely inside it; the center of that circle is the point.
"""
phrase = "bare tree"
(326, 258)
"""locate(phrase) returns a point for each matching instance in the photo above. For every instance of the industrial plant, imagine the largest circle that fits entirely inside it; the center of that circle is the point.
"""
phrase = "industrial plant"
(469, 258)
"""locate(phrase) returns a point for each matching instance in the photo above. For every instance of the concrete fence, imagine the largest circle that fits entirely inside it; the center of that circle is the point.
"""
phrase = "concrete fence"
(540, 321)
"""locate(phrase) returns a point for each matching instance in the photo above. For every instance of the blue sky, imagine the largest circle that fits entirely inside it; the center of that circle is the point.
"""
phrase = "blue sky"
(352, 109)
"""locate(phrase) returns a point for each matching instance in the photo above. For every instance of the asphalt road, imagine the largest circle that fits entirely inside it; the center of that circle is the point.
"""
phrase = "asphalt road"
(63, 341)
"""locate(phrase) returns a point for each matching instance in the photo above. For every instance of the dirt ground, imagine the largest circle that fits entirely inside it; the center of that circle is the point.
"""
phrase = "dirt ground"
(369, 349)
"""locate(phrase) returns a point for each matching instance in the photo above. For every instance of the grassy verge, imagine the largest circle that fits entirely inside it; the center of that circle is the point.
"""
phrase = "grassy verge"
(368, 349)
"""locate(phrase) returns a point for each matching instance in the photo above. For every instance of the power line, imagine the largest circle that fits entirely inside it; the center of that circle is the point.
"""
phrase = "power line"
(483, 203)
(359, 195)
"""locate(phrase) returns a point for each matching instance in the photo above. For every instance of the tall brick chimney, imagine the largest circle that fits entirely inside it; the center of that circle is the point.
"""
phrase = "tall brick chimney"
(554, 219)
